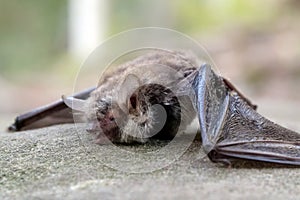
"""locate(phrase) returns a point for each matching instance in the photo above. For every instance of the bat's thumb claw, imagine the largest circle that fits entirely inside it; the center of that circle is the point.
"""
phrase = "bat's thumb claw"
(73, 103)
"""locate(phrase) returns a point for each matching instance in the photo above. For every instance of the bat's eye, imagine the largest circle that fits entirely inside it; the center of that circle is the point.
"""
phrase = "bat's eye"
(133, 101)
(103, 112)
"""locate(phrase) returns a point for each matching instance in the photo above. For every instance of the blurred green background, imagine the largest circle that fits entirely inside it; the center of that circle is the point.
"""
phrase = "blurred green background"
(254, 43)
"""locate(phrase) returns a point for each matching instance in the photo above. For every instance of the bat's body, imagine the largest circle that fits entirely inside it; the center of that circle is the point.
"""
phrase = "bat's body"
(145, 99)
(128, 94)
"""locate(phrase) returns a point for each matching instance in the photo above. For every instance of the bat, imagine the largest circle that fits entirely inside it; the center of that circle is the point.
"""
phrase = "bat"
(158, 95)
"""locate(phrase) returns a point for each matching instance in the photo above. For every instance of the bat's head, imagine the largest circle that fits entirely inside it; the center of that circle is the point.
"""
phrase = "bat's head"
(138, 113)
(102, 118)
(138, 100)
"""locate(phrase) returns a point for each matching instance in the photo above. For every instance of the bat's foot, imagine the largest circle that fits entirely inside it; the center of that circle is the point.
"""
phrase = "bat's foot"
(217, 158)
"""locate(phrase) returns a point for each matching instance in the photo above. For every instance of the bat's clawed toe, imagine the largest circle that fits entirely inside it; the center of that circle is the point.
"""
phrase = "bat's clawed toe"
(219, 159)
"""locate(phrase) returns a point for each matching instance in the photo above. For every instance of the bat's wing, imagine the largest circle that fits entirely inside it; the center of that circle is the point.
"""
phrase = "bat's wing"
(248, 135)
(212, 103)
(55, 113)
(231, 128)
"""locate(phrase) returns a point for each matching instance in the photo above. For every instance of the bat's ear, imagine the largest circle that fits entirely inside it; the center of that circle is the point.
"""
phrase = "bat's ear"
(126, 89)
(74, 104)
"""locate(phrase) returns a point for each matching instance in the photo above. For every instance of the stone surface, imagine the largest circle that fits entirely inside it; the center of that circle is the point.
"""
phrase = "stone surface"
(60, 163)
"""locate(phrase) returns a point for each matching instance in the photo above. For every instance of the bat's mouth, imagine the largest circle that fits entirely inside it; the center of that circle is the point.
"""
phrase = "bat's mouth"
(106, 130)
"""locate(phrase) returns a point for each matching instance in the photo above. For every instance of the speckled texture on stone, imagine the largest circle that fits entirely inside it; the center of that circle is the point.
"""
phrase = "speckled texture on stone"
(59, 163)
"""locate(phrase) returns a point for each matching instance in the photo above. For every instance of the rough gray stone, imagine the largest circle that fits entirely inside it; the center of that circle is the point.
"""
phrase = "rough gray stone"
(60, 163)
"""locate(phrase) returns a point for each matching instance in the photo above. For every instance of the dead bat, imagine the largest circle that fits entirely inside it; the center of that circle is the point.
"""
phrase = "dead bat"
(136, 102)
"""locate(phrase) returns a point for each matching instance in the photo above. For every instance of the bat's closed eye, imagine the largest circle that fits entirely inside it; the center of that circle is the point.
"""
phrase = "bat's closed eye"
(103, 112)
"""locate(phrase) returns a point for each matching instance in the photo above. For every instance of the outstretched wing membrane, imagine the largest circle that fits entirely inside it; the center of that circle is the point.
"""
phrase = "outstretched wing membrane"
(246, 134)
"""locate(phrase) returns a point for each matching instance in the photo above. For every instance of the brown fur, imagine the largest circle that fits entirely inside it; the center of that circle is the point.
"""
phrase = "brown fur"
(163, 67)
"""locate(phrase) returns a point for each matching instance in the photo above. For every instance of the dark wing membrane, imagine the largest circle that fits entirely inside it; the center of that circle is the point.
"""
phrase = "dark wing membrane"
(212, 103)
(248, 135)
(55, 113)
(268, 151)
